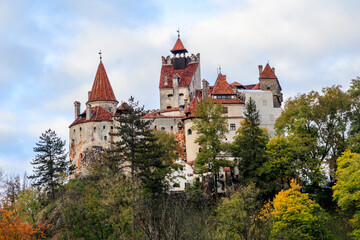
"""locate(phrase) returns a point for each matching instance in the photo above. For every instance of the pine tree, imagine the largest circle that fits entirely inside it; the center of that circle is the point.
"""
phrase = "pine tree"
(137, 148)
(50, 164)
(249, 144)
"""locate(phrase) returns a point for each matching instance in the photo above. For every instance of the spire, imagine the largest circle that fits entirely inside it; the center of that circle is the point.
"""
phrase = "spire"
(179, 46)
(101, 89)
(100, 55)
(267, 72)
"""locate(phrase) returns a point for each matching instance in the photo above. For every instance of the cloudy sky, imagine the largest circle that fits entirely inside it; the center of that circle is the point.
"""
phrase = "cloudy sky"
(49, 53)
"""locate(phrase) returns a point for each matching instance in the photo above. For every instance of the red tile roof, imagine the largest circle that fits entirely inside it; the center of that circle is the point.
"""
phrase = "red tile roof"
(267, 72)
(228, 101)
(171, 110)
(178, 47)
(249, 87)
(101, 89)
(257, 86)
(184, 74)
(190, 111)
(97, 114)
(236, 84)
(222, 87)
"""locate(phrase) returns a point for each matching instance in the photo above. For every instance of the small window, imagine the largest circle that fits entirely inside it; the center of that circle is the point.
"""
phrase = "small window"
(268, 88)
(181, 94)
(162, 128)
(94, 128)
(189, 131)
(168, 107)
(74, 130)
(232, 127)
(155, 127)
(170, 95)
(172, 127)
(179, 79)
(80, 129)
(112, 127)
(176, 185)
(73, 140)
(225, 110)
(109, 109)
(103, 127)
(264, 103)
(271, 116)
(199, 149)
(166, 79)
(105, 138)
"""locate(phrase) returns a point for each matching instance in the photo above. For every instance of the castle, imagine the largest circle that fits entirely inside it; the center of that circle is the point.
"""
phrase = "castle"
(181, 88)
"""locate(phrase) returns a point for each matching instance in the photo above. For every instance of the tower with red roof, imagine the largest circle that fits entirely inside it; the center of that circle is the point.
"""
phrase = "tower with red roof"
(179, 77)
(91, 127)
(269, 82)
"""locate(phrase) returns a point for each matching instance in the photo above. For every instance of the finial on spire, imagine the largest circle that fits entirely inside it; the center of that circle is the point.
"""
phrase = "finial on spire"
(178, 31)
(100, 55)
(219, 69)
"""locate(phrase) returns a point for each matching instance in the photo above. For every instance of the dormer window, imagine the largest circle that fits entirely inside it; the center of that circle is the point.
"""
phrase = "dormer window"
(166, 79)
(178, 79)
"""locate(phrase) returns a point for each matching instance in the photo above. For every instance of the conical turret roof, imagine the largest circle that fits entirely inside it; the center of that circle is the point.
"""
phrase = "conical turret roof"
(178, 47)
(101, 89)
(267, 72)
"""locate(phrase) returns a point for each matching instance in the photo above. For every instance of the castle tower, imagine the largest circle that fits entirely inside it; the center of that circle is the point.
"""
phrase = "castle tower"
(269, 82)
(179, 77)
(91, 127)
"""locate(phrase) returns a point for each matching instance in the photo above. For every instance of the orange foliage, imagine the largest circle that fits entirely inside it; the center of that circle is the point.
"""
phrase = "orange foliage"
(13, 228)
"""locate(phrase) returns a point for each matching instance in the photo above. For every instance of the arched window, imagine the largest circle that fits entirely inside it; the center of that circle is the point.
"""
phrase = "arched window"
(166, 79)
(189, 131)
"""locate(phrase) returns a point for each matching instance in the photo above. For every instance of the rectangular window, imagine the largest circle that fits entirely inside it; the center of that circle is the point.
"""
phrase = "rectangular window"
(232, 127)
(225, 110)
(105, 138)
(271, 116)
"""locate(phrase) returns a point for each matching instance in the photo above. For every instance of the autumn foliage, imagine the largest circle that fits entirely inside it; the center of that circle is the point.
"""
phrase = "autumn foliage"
(12, 227)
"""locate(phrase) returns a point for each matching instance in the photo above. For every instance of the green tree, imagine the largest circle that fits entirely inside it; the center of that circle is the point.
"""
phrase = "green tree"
(148, 155)
(290, 158)
(236, 215)
(211, 127)
(347, 187)
(28, 204)
(50, 163)
(322, 117)
(354, 93)
(249, 145)
(295, 216)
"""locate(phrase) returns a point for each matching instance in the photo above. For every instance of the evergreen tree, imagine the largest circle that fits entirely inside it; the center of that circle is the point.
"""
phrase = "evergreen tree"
(249, 145)
(50, 164)
(136, 147)
(128, 137)
(211, 127)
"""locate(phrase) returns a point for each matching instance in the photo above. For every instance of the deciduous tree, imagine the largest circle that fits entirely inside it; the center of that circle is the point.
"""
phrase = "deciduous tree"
(211, 127)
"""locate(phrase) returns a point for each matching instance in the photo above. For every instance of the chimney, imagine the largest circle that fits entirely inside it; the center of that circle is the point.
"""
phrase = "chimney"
(89, 93)
(260, 69)
(205, 89)
(88, 111)
(77, 109)
(273, 69)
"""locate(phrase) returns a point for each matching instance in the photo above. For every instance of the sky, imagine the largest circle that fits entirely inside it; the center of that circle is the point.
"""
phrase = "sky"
(49, 53)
